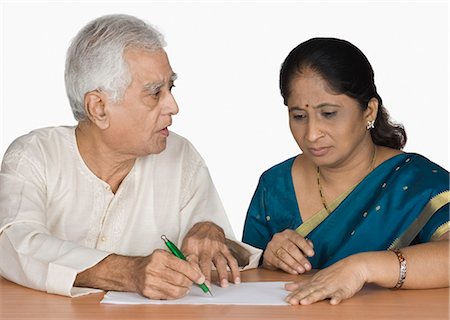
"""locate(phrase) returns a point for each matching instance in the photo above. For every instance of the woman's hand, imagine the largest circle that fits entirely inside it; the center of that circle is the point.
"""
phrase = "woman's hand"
(337, 282)
(288, 251)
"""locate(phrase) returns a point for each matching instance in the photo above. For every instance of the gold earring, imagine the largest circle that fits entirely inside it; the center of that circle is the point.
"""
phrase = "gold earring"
(370, 124)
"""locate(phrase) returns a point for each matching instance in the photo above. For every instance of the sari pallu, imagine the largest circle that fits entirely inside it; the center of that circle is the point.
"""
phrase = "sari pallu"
(397, 204)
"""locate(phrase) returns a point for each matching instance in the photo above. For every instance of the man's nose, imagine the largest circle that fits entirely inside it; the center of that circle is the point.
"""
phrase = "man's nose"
(170, 105)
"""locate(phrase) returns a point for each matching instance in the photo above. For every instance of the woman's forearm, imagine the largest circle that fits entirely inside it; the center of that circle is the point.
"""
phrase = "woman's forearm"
(427, 266)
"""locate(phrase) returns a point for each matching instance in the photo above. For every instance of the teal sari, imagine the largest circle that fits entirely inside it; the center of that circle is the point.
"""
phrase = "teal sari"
(403, 201)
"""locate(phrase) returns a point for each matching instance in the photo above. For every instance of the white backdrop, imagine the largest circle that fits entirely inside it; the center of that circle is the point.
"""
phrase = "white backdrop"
(227, 56)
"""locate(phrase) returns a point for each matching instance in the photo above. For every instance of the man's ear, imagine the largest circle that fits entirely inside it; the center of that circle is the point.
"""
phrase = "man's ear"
(94, 104)
(372, 110)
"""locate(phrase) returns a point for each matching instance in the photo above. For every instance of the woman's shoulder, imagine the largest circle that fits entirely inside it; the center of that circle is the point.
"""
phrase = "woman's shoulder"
(417, 167)
(426, 162)
(388, 156)
(279, 170)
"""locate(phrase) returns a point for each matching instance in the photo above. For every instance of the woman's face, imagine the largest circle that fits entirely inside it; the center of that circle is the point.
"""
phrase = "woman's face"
(329, 128)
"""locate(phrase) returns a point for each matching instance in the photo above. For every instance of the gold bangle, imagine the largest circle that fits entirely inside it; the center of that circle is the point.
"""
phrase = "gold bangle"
(402, 272)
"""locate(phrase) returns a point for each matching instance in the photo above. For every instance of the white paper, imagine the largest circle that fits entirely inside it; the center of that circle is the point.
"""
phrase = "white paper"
(246, 293)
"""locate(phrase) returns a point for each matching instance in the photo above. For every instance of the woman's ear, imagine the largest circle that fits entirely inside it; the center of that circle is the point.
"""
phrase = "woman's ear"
(371, 112)
(94, 104)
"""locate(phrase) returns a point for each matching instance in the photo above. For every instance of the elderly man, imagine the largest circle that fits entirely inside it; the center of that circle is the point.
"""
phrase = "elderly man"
(84, 207)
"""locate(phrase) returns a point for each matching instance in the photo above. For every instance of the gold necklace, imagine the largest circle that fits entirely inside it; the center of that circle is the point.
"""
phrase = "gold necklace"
(320, 187)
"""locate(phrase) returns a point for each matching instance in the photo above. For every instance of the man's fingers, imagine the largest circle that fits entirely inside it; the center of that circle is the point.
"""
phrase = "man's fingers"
(183, 267)
(161, 290)
(205, 266)
(234, 267)
(193, 259)
(221, 266)
(195, 262)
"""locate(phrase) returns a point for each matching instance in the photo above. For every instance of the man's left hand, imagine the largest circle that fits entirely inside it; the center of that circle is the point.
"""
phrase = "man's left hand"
(204, 245)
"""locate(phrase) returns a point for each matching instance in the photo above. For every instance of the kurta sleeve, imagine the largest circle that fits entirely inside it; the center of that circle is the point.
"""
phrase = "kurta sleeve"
(201, 202)
(30, 254)
(256, 229)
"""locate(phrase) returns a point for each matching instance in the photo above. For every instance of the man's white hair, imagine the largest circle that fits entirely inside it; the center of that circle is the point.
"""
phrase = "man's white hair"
(95, 60)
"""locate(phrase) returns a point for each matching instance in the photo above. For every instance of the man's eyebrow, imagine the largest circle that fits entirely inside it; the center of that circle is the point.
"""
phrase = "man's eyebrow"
(155, 86)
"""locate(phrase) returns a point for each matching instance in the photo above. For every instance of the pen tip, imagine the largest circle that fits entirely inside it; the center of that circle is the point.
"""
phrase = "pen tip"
(210, 293)
(164, 237)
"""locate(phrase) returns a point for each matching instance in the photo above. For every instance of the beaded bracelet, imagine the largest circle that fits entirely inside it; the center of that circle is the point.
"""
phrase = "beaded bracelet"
(402, 273)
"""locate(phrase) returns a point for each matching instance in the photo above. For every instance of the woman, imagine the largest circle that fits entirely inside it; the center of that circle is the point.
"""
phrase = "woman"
(352, 204)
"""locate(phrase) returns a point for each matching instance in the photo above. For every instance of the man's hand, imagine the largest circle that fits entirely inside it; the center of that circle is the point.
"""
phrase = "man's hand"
(160, 275)
(205, 245)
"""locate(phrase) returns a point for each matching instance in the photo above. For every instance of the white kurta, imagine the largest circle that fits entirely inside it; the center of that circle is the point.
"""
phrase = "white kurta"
(58, 219)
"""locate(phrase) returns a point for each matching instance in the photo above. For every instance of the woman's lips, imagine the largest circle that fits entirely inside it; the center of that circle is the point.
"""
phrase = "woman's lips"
(318, 152)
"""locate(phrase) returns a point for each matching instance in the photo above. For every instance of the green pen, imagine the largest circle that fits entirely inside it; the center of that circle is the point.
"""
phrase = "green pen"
(177, 252)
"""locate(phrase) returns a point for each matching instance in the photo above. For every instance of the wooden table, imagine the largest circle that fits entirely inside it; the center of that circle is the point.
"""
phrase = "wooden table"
(17, 302)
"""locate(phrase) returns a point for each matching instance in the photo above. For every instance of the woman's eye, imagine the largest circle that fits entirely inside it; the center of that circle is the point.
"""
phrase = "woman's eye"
(329, 114)
(299, 116)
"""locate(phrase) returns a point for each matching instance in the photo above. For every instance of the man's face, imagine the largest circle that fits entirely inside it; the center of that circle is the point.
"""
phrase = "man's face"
(139, 123)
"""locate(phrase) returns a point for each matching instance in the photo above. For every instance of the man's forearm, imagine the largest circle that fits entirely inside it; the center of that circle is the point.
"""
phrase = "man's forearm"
(115, 272)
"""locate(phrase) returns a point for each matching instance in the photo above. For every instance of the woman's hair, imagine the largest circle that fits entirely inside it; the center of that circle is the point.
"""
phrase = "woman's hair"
(95, 60)
(347, 71)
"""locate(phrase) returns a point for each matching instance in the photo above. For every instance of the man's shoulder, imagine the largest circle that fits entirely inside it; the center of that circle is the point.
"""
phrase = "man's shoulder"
(41, 138)
(46, 134)
(39, 147)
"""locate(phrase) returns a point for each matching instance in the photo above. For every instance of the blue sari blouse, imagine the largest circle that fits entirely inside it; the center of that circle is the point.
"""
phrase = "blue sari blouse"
(403, 201)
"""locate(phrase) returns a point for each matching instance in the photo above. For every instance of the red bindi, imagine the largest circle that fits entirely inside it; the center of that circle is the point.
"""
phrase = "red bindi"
(307, 105)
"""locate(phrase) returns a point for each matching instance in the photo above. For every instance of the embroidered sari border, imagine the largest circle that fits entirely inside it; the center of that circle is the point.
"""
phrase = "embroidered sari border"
(432, 206)
(443, 228)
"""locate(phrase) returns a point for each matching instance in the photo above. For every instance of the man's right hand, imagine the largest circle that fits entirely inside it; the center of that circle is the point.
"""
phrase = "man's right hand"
(160, 275)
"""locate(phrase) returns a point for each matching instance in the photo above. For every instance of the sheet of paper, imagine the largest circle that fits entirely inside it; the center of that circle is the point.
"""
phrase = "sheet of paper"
(246, 293)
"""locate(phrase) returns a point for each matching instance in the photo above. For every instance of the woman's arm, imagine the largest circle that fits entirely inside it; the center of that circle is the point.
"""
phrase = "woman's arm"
(427, 267)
